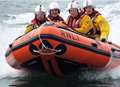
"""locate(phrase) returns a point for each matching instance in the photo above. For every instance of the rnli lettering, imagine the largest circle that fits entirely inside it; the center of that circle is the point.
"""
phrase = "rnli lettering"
(70, 36)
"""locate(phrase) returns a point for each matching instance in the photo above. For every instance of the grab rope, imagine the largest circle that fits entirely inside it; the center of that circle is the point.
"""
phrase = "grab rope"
(44, 50)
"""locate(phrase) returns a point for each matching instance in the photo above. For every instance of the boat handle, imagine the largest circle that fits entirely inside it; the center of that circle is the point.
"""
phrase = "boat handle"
(94, 45)
(114, 50)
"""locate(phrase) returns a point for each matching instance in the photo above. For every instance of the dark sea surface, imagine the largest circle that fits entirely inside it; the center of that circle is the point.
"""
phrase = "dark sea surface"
(45, 80)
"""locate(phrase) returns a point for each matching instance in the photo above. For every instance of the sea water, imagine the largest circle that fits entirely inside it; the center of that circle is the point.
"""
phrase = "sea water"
(15, 14)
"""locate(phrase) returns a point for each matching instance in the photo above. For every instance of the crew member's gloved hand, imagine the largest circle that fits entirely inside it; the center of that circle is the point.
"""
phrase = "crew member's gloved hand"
(103, 40)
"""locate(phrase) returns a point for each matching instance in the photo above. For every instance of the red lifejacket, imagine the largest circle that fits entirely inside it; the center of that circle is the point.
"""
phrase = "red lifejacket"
(71, 22)
(37, 22)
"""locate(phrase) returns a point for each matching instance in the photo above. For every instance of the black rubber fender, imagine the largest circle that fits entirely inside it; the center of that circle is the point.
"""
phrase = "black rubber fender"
(46, 43)
(10, 45)
(61, 47)
(32, 47)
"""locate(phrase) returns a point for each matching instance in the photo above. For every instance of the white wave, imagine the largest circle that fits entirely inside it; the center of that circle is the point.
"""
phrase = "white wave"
(112, 13)
(6, 70)
(20, 18)
(115, 31)
(6, 37)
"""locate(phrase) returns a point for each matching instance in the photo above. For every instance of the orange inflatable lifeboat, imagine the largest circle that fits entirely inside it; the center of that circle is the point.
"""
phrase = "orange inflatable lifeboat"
(59, 51)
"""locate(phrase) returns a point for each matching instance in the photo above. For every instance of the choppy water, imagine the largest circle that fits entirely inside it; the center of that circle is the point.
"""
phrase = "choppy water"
(14, 14)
